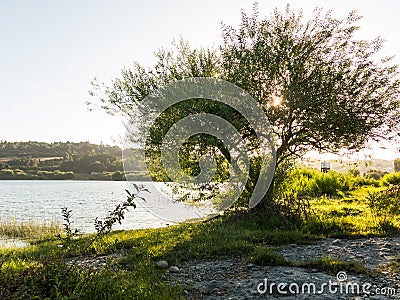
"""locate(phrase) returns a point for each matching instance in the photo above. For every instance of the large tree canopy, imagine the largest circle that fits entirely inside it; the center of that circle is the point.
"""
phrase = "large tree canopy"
(320, 87)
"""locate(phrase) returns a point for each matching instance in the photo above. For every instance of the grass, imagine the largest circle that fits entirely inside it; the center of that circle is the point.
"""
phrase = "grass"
(333, 266)
(349, 217)
(394, 265)
(41, 270)
(267, 257)
(28, 230)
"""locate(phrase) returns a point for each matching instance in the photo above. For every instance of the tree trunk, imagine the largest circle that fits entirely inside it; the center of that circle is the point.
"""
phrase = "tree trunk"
(266, 204)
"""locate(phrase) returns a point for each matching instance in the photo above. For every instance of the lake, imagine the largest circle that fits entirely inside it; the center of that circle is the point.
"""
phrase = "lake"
(41, 201)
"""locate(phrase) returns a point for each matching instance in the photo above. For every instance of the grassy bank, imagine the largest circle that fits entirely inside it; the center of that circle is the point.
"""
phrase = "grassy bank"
(44, 268)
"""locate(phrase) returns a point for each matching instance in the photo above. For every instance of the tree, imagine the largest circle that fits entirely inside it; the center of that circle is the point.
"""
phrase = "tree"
(320, 87)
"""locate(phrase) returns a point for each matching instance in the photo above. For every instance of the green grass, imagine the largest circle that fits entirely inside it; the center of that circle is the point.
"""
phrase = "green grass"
(267, 257)
(40, 269)
(333, 266)
(349, 216)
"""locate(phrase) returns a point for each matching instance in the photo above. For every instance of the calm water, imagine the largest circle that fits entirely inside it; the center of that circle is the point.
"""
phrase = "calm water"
(42, 201)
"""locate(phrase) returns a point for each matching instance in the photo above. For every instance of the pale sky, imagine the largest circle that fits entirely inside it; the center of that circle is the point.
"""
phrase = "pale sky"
(51, 50)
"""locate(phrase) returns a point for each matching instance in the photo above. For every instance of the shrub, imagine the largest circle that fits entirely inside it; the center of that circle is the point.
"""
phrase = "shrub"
(375, 174)
(7, 173)
(329, 184)
(386, 202)
(296, 182)
(307, 182)
(312, 183)
(392, 178)
(354, 172)
(387, 227)
(118, 176)
(363, 181)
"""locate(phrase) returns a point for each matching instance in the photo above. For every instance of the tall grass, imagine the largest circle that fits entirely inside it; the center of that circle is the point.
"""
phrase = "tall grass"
(313, 183)
(28, 230)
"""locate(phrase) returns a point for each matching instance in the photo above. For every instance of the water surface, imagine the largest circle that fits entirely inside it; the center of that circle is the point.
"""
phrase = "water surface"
(41, 201)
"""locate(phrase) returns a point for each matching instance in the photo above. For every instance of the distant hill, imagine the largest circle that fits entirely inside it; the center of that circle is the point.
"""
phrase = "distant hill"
(58, 149)
(39, 160)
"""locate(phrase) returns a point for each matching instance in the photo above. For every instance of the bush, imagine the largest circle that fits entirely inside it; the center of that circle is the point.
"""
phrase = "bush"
(296, 182)
(392, 178)
(307, 182)
(354, 172)
(363, 181)
(375, 174)
(386, 202)
(312, 183)
(118, 176)
(6, 173)
(329, 184)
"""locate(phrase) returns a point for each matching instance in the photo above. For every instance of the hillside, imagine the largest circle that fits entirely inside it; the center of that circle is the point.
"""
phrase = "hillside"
(39, 160)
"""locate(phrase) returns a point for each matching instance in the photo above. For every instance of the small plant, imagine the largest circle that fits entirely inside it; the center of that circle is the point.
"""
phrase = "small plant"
(293, 208)
(267, 257)
(118, 214)
(102, 227)
(67, 214)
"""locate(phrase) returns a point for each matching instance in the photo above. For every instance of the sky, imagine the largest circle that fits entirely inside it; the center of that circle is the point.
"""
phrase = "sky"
(51, 50)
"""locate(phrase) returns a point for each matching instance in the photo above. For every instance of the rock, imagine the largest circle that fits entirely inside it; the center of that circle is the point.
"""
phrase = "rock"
(235, 278)
(313, 270)
(174, 269)
(204, 289)
(214, 291)
(162, 264)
